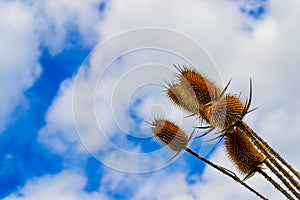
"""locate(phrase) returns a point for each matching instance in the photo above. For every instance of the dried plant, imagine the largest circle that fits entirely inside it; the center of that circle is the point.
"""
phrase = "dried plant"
(201, 97)
(176, 140)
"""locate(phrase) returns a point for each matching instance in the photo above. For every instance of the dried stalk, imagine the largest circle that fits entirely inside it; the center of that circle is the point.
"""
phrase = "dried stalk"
(250, 133)
(283, 180)
(277, 186)
(226, 172)
(275, 154)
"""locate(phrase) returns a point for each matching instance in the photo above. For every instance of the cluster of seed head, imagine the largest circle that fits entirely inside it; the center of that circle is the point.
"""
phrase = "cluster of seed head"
(198, 95)
(192, 92)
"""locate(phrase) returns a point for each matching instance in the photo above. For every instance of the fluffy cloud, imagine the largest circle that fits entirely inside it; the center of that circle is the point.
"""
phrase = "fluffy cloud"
(60, 134)
(65, 185)
(60, 21)
(25, 27)
(280, 128)
(19, 53)
(149, 186)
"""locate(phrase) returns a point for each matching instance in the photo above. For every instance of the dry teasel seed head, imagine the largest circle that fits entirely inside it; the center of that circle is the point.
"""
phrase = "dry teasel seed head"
(169, 134)
(184, 99)
(224, 112)
(204, 89)
(242, 152)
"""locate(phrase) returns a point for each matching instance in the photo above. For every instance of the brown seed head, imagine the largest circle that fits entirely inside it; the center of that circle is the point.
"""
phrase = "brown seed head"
(224, 112)
(204, 89)
(184, 99)
(242, 152)
(169, 134)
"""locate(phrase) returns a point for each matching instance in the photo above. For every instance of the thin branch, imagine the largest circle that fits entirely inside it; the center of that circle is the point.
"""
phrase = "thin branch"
(284, 181)
(277, 156)
(225, 171)
(277, 186)
(265, 149)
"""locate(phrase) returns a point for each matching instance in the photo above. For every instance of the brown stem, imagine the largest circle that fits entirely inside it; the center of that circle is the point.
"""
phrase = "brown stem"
(266, 151)
(225, 171)
(284, 181)
(276, 155)
(277, 186)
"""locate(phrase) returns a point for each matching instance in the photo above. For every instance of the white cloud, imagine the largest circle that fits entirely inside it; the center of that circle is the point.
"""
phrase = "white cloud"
(60, 135)
(19, 53)
(162, 185)
(197, 18)
(68, 185)
(26, 26)
(58, 20)
(280, 128)
(268, 54)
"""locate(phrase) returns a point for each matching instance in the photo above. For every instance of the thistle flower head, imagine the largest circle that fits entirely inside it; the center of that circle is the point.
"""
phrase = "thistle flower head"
(169, 134)
(242, 152)
(224, 112)
(204, 89)
(184, 99)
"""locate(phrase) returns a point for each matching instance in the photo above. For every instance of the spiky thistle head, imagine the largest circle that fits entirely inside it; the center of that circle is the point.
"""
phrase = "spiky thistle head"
(204, 89)
(169, 134)
(242, 152)
(183, 98)
(224, 112)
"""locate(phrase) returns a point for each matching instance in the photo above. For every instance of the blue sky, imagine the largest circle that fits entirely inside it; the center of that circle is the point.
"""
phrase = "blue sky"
(45, 45)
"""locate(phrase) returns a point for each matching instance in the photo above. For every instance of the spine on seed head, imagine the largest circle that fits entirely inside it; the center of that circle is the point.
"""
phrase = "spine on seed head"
(169, 134)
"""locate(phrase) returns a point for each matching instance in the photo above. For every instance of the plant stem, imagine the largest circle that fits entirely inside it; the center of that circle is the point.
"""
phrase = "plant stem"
(284, 181)
(277, 186)
(276, 155)
(225, 171)
(266, 150)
